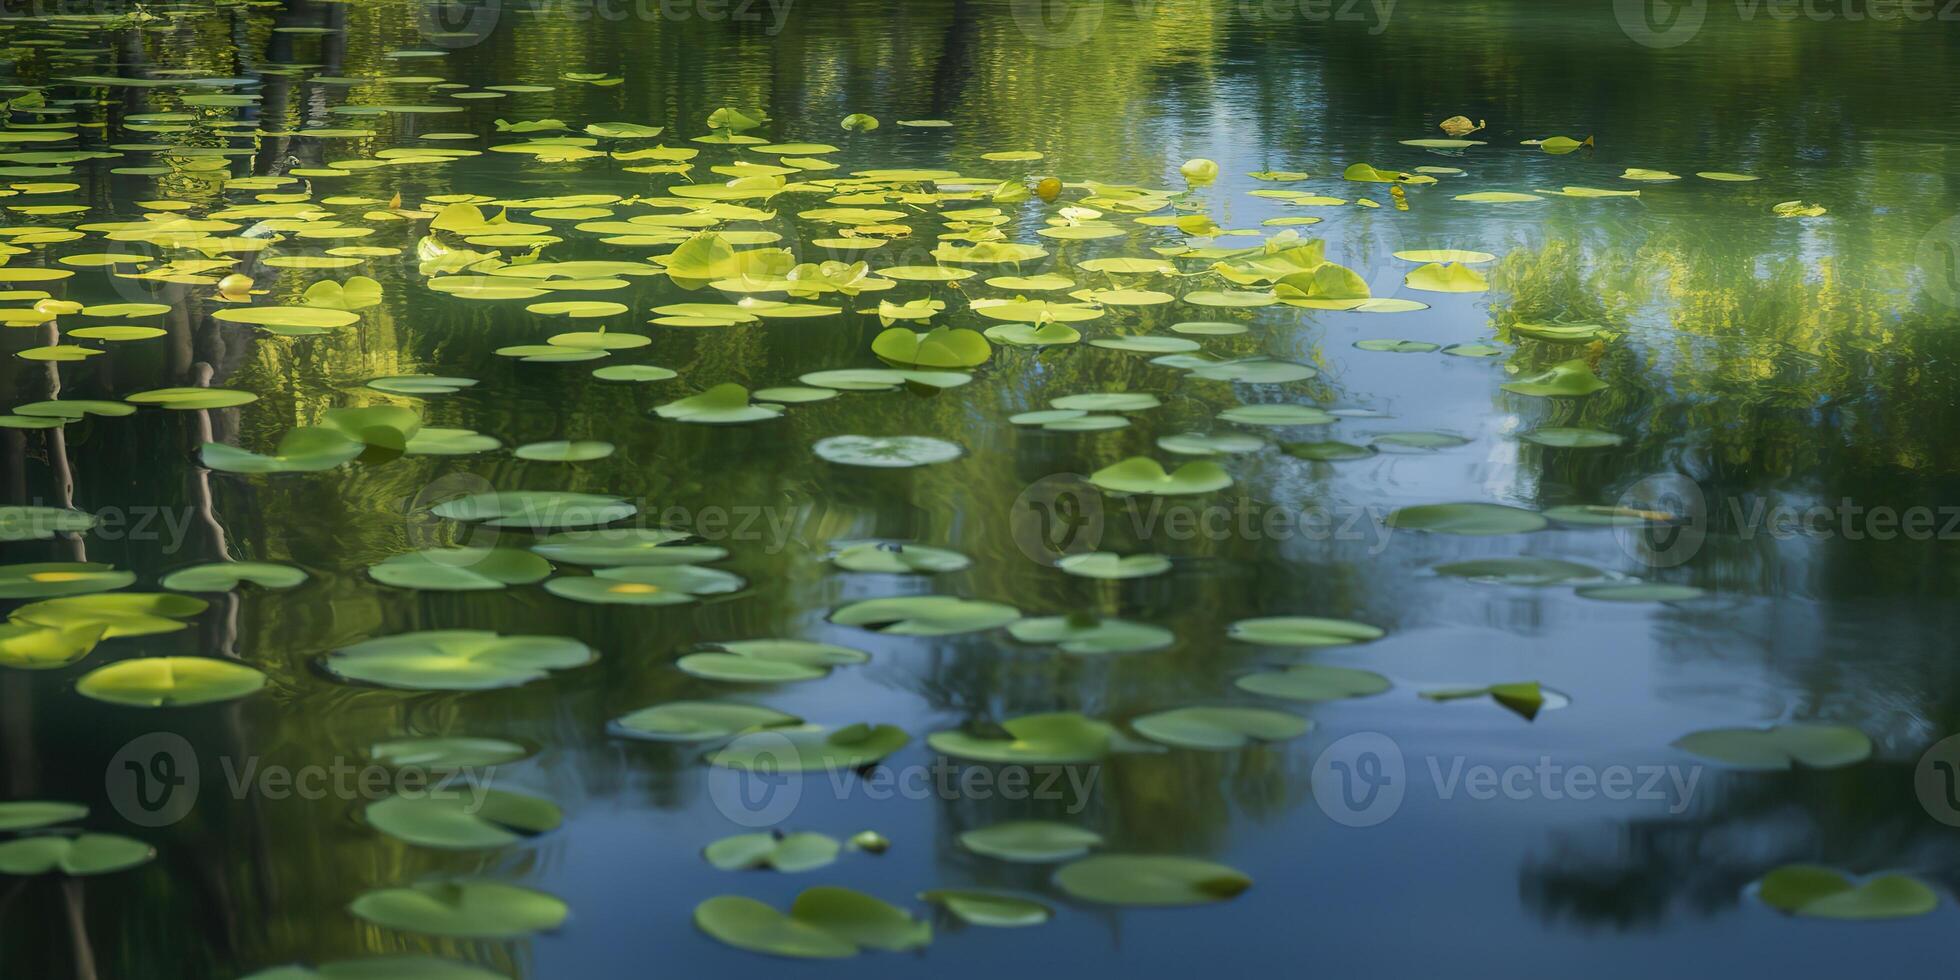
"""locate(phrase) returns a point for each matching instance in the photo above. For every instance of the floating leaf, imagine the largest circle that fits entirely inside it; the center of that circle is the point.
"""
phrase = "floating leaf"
(1440, 277)
(1150, 880)
(1809, 890)
(1084, 635)
(1780, 746)
(698, 721)
(1109, 565)
(456, 660)
(985, 908)
(1031, 841)
(447, 753)
(1143, 475)
(1060, 737)
(1468, 519)
(805, 748)
(168, 682)
(722, 404)
(926, 615)
(85, 854)
(47, 580)
(466, 909)
(1526, 698)
(536, 509)
(1568, 379)
(1219, 729)
(34, 522)
(662, 585)
(896, 558)
(886, 452)
(30, 814)
(461, 569)
(453, 819)
(788, 853)
(224, 576)
(120, 614)
(1519, 571)
(1315, 682)
(1302, 631)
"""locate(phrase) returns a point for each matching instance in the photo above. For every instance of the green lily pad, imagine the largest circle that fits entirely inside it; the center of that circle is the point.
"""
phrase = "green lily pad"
(823, 923)
(447, 752)
(170, 682)
(30, 814)
(1476, 519)
(1059, 737)
(985, 908)
(78, 856)
(896, 558)
(1302, 631)
(1519, 571)
(455, 660)
(1108, 401)
(47, 580)
(1278, 415)
(1570, 438)
(1639, 592)
(1393, 346)
(307, 449)
(698, 721)
(29, 647)
(1110, 565)
(457, 820)
(461, 569)
(464, 909)
(118, 614)
(721, 405)
(925, 615)
(886, 452)
(633, 373)
(1780, 746)
(1031, 841)
(565, 451)
(1326, 452)
(788, 853)
(806, 748)
(1809, 890)
(224, 576)
(1029, 335)
(420, 384)
(645, 585)
(942, 347)
(1526, 698)
(1150, 880)
(1212, 444)
(1143, 475)
(1315, 682)
(1569, 379)
(1219, 729)
(1087, 636)
(1255, 371)
(768, 661)
(618, 547)
(36, 523)
(536, 509)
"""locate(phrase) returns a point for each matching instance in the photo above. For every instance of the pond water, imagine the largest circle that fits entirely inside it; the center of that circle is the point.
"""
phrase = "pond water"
(1778, 389)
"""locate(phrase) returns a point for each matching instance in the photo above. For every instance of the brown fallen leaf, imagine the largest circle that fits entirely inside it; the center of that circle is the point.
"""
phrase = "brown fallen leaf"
(1460, 125)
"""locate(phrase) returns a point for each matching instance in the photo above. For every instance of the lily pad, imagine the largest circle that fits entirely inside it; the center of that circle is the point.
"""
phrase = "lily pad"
(1219, 729)
(1571, 438)
(806, 748)
(1150, 880)
(644, 585)
(30, 814)
(224, 576)
(823, 923)
(1569, 379)
(721, 405)
(1315, 682)
(1302, 631)
(986, 908)
(78, 856)
(1476, 519)
(623, 546)
(456, 660)
(925, 615)
(788, 853)
(119, 614)
(1143, 475)
(1057, 738)
(1031, 841)
(1809, 890)
(1110, 565)
(446, 752)
(698, 721)
(454, 819)
(461, 569)
(33, 522)
(886, 452)
(896, 558)
(169, 682)
(1780, 746)
(47, 580)
(464, 909)
(1085, 635)
(536, 509)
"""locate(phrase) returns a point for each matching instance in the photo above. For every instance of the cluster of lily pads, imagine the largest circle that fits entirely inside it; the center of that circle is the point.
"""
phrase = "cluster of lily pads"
(720, 223)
